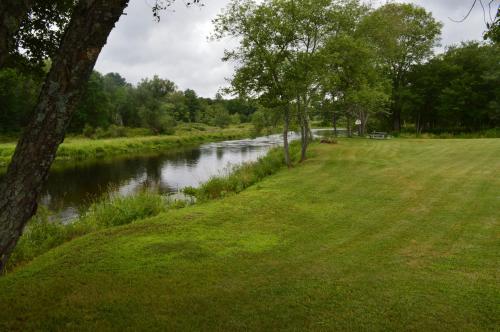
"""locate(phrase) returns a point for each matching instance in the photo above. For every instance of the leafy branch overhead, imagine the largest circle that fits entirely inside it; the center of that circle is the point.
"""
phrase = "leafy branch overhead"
(160, 5)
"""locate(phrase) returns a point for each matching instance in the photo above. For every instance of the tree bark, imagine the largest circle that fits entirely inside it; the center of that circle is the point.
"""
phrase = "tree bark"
(12, 13)
(396, 120)
(335, 123)
(90, 25)
(286, 129)
(417, 125)
(349, 128)
(305, 132)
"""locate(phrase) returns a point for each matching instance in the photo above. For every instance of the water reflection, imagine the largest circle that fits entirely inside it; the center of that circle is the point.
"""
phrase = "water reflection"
(72, 188)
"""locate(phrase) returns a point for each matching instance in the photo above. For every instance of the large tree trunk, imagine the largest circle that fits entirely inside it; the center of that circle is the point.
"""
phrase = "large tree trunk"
(396, 119)
(349, 127)
(334, 123)
(90, 25)
(12, 13)
(306, 137)
(286, 129)
(305, 131)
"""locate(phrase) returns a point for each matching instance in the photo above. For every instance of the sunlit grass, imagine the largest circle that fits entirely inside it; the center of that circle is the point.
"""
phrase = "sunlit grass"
(44, 233)
(365, 235)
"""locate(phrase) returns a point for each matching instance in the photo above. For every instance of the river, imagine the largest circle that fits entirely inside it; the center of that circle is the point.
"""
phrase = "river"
(72, 188)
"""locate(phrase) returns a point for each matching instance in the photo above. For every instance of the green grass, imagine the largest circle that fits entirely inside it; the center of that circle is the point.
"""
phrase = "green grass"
(43, 233)
(79, 148)
(487, 133)
(366, 235)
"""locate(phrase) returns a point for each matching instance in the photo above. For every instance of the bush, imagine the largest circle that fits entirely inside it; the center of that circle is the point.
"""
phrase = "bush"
(166, 125)
(235, 119)
(217, 115)
(264, 119)
(116, 131)
(99, 133)
(88, 131)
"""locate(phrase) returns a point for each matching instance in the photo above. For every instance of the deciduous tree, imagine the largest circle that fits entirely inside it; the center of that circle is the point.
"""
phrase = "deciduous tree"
(404, 35)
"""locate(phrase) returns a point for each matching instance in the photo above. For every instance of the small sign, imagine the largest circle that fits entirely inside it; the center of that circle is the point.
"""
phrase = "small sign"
(358, 122)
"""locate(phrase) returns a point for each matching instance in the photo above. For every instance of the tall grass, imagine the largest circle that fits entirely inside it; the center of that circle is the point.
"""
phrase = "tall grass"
(238, 178)
(43, 233)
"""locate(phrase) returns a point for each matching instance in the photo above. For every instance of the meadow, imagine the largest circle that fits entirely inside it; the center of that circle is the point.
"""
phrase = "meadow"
(391, 235)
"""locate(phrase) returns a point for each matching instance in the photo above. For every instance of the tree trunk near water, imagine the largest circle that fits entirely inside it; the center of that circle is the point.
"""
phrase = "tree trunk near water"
(286, 129)
(335, 124)
(90, 25)
(349, 128)
(305, 131)
(305, 143)
(396, 120)
(12, 13)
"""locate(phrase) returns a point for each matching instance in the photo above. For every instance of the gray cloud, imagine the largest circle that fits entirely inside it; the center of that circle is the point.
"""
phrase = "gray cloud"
(177, 48)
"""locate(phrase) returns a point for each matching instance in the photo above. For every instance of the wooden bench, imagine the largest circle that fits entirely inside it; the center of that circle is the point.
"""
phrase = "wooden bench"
(378, 135)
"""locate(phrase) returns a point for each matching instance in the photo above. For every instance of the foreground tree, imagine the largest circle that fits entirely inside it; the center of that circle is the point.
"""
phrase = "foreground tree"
(86, 34)
(73, 61)
(12, 13)
(31, 31)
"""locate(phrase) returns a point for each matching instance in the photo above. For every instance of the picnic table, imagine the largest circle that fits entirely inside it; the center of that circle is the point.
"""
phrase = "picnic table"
(378, 135)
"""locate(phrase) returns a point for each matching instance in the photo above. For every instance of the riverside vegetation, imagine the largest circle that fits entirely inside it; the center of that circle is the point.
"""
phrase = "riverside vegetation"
(380, 235)
(81, 148)
(44, 233)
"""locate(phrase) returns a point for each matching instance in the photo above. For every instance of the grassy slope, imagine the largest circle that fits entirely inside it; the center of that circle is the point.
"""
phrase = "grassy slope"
(84, 148)
(366, 235)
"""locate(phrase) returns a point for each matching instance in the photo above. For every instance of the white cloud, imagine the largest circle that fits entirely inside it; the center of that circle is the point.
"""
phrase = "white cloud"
(177, 48)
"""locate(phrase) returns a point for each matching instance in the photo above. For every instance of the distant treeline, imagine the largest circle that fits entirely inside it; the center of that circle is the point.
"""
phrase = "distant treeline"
(458, 91)
(455, 92)
(109, 99)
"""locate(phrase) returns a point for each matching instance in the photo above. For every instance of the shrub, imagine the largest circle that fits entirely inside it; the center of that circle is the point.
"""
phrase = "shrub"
(88, 131)
(99, 133)
(166, 125)
(116, 131)
(235, 119)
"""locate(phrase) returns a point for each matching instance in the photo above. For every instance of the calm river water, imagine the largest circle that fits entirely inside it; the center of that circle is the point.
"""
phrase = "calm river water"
(72, 188)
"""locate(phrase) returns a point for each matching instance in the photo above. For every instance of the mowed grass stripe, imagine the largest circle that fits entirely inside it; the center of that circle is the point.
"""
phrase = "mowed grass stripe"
(365, 235)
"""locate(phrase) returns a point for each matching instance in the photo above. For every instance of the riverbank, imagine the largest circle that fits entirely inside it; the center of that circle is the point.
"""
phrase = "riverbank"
(379, 235)
(46, 231)
(79, 148)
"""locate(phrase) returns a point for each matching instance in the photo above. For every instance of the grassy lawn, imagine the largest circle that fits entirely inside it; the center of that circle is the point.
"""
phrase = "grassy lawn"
(366, 235)
(80, 148)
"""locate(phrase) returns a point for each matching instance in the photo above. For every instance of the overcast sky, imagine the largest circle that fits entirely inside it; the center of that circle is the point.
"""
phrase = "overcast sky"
(177, 48)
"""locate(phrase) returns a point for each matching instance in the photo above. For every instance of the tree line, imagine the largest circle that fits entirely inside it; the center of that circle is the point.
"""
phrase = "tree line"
(109, 100)
(363, 67)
